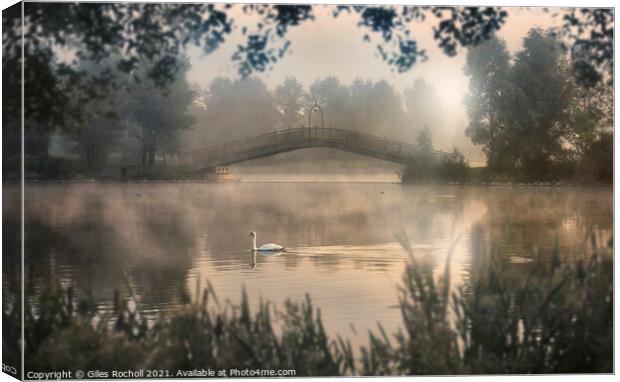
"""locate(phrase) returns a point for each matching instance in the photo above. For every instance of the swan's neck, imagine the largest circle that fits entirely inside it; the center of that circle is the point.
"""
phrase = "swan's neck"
(254, 243)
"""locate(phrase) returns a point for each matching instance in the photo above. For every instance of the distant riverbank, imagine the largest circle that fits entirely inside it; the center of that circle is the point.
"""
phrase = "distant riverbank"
(482, 176)
(282, 168)
(257, 179)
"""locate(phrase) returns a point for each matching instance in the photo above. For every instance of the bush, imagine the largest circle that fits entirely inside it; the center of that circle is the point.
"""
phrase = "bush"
(427, 168)
(420, 169)
(597, 162)
(455, 168)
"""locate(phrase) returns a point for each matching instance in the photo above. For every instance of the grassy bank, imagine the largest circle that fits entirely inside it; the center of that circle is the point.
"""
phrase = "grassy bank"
(557, 319)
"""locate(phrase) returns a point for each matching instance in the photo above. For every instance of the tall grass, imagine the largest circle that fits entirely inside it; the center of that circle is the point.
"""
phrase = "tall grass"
(557, 319)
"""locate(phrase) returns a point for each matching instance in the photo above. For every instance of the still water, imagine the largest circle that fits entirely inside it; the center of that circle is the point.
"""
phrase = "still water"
(161, 239)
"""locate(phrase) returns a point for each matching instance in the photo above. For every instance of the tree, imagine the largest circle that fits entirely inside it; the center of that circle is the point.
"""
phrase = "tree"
(360, 115)
(387, 111)
(423, 106)
(541, 95)
(488, 66)
(101, 128)
(155, 117)
(237, 109)
(424, 142)
(590, 133)
(98, 138)
(291, 102)
(376, 108)
(591, 115)
(334, 100)
(454, 167)
(422, 167)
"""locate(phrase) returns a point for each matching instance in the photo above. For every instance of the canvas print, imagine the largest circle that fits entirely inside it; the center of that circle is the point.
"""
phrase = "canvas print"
(196, 190)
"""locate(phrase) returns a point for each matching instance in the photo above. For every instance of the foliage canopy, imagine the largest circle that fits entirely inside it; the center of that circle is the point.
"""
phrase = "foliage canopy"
(159, 32)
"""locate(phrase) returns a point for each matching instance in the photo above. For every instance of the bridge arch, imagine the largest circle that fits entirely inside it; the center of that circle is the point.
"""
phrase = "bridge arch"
(299, 138)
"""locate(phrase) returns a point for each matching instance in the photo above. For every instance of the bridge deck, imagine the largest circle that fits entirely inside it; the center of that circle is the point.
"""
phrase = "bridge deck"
(298, 138)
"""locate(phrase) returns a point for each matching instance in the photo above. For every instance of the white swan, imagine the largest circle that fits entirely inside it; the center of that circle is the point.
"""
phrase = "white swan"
(266, 247)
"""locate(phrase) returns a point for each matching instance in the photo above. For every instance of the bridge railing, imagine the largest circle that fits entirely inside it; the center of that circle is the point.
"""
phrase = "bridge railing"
(359, 138)
(353, 138)
(265, 141)
(385, 143)
(230, 148)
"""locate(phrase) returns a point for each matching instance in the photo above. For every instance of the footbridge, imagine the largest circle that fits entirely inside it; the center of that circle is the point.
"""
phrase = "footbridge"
(299, 138)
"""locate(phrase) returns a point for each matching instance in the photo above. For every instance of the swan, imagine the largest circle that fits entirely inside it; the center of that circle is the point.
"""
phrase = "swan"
(266, 247)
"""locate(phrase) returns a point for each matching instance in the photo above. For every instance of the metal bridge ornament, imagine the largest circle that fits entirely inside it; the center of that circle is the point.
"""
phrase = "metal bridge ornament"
(316, 107)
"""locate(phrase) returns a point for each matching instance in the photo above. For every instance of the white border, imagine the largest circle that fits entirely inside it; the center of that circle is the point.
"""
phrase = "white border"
(548, 3)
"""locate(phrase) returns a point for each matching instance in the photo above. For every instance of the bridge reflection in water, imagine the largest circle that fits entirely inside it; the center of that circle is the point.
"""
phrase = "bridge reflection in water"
(299, 138)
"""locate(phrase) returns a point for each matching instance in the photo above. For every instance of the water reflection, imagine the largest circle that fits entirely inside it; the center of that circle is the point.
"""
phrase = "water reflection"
(256, 256)
(159, 241)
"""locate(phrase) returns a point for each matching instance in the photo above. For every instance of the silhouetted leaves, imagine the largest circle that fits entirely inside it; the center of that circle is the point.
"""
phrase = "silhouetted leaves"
(137, 32)
(590, 36)
(467, 26)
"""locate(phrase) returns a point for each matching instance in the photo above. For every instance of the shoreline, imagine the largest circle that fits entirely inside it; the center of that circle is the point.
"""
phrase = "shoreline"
(452, 184)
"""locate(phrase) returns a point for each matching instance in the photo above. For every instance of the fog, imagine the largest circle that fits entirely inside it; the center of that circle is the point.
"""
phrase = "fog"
(162, 239)
(334, 47)
(335, 68)
(229, 110)
(330, 62)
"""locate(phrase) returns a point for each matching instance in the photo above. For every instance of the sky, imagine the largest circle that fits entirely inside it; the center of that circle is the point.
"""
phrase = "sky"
(335, 46)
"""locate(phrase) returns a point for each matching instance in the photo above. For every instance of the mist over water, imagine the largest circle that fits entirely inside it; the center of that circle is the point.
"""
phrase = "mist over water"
(161, 239)
(317, 165)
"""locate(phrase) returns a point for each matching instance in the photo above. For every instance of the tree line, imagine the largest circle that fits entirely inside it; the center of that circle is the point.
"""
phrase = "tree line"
(528, 112)
(234, 109)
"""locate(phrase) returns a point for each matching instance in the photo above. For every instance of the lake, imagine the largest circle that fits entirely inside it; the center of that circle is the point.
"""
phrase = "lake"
(159, 240)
